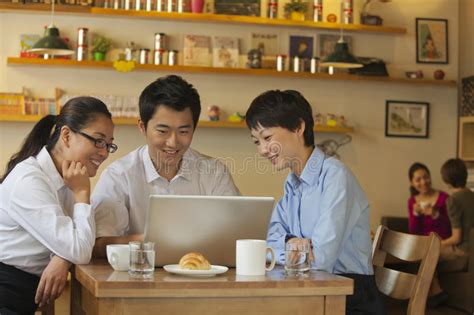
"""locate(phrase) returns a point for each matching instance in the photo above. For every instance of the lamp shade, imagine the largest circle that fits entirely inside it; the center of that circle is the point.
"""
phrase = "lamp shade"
(51, 44)
(341, 57)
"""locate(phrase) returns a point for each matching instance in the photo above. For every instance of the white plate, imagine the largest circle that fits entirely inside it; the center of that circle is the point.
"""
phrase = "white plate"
(215, 270)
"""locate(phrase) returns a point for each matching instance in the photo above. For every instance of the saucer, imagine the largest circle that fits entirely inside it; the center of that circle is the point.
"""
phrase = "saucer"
(215, 270)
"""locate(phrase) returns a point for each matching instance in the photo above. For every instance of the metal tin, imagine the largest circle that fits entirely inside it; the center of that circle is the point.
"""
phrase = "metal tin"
(128, 54)
(298, 64)
(170, 5)
(126, 4)
(180, 6)
(143, 56)
(281, 62)
(138, 5)
(160, 41)
(272, 9)
(81, 53)
(347, 12)
(158, 57)
(160, 6)
(314, 66)
(318, 10)
(148, 5)
(172, 57)
(82, 36)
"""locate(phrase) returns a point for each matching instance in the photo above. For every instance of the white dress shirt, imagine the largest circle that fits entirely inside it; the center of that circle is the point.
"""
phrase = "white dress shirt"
(38, 216)
(120, 198)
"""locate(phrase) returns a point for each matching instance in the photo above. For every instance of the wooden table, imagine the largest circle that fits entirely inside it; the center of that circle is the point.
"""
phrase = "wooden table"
(97, 289)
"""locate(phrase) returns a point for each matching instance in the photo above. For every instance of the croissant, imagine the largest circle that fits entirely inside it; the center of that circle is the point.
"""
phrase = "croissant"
(194, 261)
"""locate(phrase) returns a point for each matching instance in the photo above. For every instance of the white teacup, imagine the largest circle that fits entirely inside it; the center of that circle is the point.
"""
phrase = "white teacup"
(251, 256)
(118, 256)
(424, 204)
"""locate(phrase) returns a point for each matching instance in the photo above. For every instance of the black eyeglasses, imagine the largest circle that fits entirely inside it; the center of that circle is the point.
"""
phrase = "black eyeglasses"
(99, 143)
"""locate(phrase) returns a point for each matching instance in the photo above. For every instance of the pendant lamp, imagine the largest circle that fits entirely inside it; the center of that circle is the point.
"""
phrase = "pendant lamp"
(341, 57)
(51, 43)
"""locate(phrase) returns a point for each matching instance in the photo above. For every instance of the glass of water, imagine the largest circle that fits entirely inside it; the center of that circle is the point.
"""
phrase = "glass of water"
(297, 257)
(142, 260)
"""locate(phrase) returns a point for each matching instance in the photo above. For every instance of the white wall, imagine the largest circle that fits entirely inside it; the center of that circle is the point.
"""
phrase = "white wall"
(380, 163)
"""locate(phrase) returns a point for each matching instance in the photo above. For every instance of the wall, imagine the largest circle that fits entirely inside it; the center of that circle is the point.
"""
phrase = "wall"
(379, 162)
(466, 42)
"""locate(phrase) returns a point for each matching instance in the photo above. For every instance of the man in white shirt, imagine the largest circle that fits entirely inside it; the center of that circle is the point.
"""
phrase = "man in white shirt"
(169, 113)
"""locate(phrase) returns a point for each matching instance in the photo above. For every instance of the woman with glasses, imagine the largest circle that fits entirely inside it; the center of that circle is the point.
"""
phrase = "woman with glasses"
(46, 221)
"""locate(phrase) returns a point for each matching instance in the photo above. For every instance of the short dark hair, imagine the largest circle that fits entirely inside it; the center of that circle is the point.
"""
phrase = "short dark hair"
(454, 173)
(286, 109)
(411, 172)
(171, 91)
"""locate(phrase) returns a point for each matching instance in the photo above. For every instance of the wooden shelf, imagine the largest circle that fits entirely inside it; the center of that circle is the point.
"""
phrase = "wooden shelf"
(239, 19)
(210, 18)
(201, 124)
(65, 63)
(43, 8)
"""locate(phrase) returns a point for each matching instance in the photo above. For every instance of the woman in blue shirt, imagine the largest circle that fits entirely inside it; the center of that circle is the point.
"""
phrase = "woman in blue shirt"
(323, 201)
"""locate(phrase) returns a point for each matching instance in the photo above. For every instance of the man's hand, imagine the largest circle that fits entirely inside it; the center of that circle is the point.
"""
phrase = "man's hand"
(53, 281)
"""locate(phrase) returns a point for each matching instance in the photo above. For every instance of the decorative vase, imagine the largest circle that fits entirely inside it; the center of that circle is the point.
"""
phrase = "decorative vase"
(197, 6)
(297, 16)
(99, 56)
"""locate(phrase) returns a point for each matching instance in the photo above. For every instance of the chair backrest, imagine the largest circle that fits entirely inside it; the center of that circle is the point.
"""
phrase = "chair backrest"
(471, 252)
(399, 224)
(411, 248)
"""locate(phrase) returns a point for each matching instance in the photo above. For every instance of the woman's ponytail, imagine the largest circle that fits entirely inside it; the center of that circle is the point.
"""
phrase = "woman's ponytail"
(34, 142)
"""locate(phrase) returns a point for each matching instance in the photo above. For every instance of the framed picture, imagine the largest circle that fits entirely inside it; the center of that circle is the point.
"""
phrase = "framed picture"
(301, 46)
(431, 40)
(406, 119)
(326, 43)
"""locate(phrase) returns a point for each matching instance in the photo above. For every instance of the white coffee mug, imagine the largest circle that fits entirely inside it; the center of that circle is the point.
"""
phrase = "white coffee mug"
(251, 257)
(118, 256)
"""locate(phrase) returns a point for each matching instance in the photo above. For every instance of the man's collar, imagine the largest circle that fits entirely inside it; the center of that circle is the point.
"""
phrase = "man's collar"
(185, 168)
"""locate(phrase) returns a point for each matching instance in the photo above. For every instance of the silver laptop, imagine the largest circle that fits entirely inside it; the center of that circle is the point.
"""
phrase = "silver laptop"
(206, 224)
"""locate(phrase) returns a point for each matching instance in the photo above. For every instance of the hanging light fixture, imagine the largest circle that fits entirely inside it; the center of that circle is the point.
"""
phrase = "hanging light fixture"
(341, 57)
(51, 43)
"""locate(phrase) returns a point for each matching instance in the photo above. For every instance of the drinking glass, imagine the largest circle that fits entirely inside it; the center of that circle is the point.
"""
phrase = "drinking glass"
(142, 260)
(297, 257)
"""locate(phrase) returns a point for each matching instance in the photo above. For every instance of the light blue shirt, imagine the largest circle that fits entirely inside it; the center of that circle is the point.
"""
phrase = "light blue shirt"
(327, 205)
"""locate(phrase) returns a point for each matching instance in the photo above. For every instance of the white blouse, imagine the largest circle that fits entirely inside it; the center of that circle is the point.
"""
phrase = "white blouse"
(38, 217)
(120, 198)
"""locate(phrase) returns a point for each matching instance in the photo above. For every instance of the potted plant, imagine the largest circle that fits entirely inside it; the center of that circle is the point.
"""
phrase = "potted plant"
(100, 46)
(296, 9)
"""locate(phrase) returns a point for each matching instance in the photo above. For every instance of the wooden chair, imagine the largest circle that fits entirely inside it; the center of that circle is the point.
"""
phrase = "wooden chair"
(411, 248)
(459, 284)
(47, 309)
(399, 224)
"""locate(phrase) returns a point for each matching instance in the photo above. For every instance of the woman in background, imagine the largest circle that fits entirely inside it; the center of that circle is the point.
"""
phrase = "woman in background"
(427, 210)
(46, 221)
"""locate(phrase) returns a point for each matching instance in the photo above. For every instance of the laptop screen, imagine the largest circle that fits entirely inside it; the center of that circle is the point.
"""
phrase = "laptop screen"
(206, 224)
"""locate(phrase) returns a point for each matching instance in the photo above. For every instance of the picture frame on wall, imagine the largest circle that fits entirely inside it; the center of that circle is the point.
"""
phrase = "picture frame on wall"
(407, 119)
(432, 41)
(327, 42)
(301, 46)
